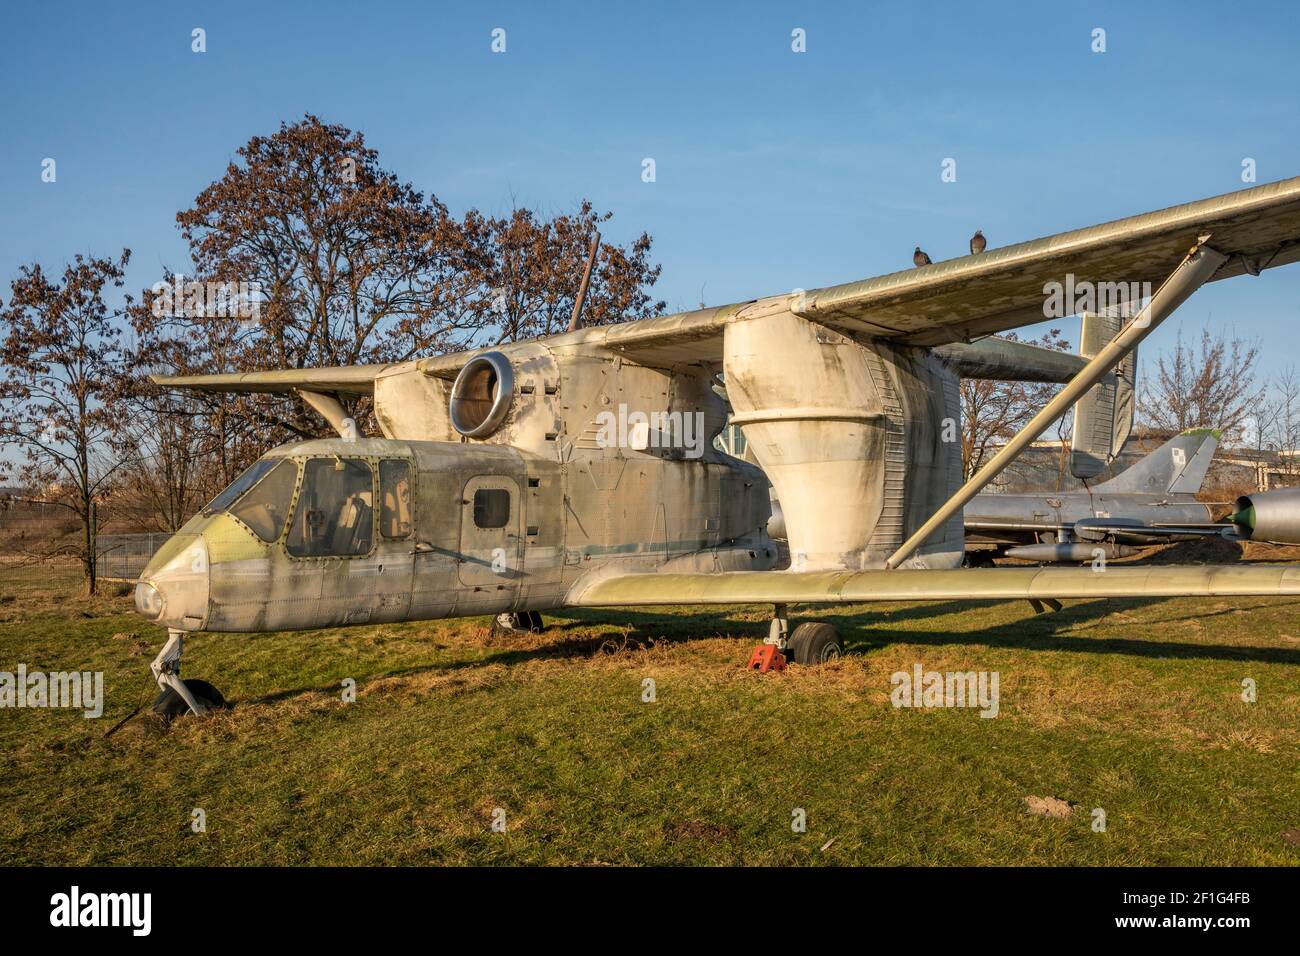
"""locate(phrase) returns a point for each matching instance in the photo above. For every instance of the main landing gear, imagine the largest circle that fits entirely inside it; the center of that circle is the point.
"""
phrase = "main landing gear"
(518, 622)
(181, 696)
(812, 642)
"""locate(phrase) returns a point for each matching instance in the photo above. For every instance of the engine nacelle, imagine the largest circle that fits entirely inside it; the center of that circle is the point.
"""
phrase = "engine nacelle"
(858, 438)
(1269, 516)
(482, 395)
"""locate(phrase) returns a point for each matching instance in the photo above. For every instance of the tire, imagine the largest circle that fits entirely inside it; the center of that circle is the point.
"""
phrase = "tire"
(169, 705)
(518, 621)
(814, 643)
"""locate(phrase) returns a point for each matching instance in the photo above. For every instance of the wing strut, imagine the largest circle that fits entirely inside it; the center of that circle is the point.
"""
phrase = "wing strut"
(1196, 269)
(330, 409)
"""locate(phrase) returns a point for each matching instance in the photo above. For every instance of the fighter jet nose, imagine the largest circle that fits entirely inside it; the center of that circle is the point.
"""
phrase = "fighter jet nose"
(173, 589)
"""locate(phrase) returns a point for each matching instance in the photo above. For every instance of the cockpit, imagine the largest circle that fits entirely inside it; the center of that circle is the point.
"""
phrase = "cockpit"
(328, 532)
(321, 506)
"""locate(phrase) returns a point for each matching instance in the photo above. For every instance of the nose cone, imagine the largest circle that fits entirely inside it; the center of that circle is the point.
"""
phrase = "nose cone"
(173, 589)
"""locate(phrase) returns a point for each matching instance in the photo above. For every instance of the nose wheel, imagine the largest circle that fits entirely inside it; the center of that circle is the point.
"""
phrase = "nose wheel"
(178, 696)
(169, 704)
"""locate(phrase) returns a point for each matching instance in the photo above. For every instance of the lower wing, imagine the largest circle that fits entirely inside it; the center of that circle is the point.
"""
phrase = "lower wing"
(975, 584)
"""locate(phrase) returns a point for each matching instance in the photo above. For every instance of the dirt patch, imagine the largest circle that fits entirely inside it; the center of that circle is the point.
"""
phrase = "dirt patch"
(1049, 807)
(700, 830)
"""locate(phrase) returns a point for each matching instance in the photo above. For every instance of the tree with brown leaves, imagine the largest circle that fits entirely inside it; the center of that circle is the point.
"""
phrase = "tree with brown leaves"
(348, 265)
(530, 269)
(342, 264)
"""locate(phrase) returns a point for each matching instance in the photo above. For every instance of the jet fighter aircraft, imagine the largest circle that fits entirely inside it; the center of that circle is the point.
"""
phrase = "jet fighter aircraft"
(1153, 502)
(499, 486)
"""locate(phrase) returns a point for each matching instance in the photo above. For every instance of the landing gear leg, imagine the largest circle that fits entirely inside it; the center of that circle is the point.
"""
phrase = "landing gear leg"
(770, 655)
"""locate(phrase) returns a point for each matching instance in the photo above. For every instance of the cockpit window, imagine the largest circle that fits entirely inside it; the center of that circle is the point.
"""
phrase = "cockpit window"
(223, 501)
(335, 513)
(265, 508)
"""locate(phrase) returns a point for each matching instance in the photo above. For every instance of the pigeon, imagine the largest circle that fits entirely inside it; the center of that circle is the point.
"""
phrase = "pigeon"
(919, 258)
(978, 243)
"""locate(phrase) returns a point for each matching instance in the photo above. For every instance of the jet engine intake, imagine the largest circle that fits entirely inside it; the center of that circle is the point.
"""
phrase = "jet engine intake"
(482, 395)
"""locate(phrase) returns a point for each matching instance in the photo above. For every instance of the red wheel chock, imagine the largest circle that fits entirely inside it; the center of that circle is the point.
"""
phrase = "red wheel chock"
(766, 657)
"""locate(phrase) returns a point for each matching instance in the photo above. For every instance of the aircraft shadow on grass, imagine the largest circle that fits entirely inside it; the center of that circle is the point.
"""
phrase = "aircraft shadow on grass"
(871, 630)
(862, 632)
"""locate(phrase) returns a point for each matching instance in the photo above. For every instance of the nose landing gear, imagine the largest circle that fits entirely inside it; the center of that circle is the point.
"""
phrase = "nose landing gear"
(178, 696)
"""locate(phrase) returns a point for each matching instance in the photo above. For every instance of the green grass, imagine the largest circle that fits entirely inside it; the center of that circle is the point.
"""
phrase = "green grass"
(1131, 706)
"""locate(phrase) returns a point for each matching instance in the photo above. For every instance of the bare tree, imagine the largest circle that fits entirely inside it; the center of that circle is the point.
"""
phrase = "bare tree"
(1277, 422)
(1208, 386)
(171, 460)
(61, 361)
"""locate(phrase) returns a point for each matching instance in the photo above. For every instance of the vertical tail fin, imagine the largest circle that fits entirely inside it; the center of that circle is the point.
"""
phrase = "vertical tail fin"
(1103, 418)
(1176, 467)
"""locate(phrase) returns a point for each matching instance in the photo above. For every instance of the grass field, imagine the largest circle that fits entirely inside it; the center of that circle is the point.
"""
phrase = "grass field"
(1131, 706)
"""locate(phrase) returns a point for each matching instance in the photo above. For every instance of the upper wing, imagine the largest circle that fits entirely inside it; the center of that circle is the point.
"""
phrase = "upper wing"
(976, 584)
(1000, 289)
(977, 295)
(953, 301)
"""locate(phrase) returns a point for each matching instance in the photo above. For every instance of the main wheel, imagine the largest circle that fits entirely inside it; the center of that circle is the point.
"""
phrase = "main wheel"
(529, 621)
(814, 643)
(170, 705)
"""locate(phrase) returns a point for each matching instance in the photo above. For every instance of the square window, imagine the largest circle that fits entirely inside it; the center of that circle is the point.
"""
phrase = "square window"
(491, 508)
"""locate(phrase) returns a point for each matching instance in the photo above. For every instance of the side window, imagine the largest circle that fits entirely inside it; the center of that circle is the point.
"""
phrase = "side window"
(265, 507)
(240, 485)
(394, 498)
(335, 516)
(491, 508)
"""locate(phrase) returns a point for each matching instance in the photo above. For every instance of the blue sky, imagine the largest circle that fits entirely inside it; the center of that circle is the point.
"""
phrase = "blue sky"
(775, 170)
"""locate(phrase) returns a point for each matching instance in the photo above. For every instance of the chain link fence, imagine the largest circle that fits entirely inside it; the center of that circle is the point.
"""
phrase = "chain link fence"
(125, 555)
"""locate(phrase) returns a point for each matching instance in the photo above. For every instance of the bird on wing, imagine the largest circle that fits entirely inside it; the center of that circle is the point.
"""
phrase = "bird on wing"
(919, 258)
